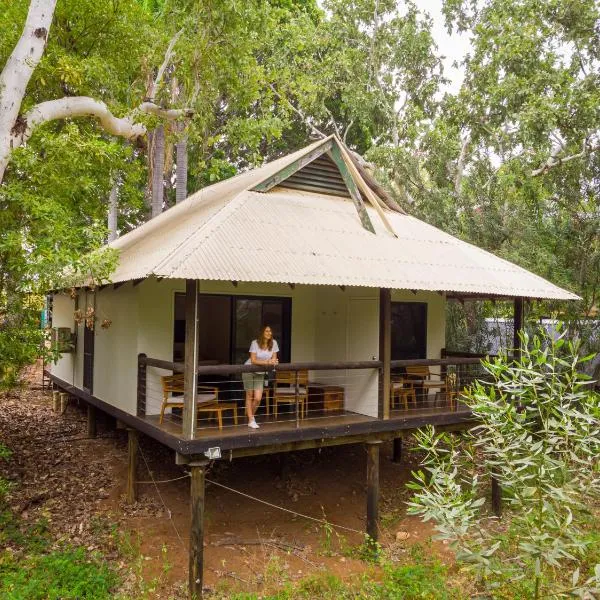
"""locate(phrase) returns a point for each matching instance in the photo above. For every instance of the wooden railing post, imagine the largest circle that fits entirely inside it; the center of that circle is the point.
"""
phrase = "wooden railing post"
(385, 350)
(190, 372)
(142, 372)
(297, 393)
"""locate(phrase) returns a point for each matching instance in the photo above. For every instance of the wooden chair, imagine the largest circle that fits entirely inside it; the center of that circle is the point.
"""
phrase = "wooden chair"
(284, 390)
(403, 390)
(421, 377)
(208, 401)
(452, 388)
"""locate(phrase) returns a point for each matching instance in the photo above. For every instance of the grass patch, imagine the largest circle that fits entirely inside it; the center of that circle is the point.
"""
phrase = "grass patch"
(30, 571)
(64, 575)
(424, 580)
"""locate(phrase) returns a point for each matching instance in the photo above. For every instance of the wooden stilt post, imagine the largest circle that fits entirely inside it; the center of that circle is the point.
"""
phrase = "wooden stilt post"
(517, 326)
(496, 497)
(56, 401)
(190, 376)
(91, 421)
(397, 452)
(373, 489)
(196, 565)
(132, 454)
(385, 350)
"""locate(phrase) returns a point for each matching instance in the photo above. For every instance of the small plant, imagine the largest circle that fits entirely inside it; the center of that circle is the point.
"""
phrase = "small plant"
(539, 436)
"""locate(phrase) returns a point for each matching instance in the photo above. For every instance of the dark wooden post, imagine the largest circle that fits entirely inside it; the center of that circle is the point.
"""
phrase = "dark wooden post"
(190, 376)
(132, 455)
(385, 350)
(397, 452)
(141, 385)
(496, 497)
(373, 489)
(91, 421)
(517, 326)
(196, 565)
(297, 394)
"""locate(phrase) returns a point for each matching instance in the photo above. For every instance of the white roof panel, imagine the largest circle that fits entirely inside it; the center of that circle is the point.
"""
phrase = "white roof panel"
(228, 232)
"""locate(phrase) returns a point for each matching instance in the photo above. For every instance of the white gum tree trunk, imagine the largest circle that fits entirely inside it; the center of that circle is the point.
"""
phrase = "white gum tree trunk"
(158, 170)
(113, 209)
(182, 170)
(18, 71)
(16, 128)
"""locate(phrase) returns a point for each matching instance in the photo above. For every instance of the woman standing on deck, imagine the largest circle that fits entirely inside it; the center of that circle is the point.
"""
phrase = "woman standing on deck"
(263, 351)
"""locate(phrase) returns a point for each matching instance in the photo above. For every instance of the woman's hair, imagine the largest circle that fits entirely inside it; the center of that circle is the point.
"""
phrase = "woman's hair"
(262, 341)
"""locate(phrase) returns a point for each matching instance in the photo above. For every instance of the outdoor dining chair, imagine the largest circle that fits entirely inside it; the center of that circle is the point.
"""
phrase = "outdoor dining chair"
(207, 399)
(291, 386)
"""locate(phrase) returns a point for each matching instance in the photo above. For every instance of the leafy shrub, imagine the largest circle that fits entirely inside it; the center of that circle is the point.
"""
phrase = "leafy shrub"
(57, 576)
(538, 434)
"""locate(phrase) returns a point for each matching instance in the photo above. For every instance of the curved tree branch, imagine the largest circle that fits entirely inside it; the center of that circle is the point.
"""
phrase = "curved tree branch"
(83, 106)
(555, 161)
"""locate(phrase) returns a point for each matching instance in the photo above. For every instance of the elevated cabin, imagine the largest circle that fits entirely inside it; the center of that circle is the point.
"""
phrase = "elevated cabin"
(354, 289)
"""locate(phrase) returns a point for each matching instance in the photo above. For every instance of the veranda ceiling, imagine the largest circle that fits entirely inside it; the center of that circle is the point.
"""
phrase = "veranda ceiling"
(229, 232)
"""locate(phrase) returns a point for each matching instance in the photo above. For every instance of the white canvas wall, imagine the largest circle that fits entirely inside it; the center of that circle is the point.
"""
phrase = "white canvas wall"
(328, 324)
(63, 307)
(115, 347)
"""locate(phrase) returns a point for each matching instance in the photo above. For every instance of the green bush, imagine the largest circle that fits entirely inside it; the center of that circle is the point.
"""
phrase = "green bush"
(538, 434)
(62, 575)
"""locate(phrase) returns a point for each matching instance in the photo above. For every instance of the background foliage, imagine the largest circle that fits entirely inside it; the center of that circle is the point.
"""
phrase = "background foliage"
(263, 77)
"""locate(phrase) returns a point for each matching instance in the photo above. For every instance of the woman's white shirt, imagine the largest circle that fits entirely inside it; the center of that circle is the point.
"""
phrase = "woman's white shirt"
(260, 353)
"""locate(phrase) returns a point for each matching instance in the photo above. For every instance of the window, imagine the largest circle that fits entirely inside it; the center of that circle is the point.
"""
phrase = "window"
(409, 330)
(228, 324)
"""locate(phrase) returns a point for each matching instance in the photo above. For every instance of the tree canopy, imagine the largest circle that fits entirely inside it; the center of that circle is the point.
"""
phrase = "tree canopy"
(509, 162)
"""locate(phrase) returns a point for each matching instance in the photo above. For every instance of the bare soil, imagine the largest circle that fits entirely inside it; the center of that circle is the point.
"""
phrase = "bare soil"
(78, 484)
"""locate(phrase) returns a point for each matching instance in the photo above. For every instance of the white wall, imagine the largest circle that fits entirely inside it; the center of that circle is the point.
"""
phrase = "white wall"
(63, 307)
(328, 324)
(115, 347)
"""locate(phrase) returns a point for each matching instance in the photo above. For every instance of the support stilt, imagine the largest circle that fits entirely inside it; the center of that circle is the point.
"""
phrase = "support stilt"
(496, 497)
(132, 454)
(373, 489)
(196, 565)
(56, 401)
(91, 421)
(64, 400)
(397, 452)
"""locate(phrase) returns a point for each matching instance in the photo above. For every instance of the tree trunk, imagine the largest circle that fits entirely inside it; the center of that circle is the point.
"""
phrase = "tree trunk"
(182, 170)
(113, 209)
(18, 70)
(158, 170)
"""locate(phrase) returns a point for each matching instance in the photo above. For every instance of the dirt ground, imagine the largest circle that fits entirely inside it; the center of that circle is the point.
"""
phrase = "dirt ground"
(78, 485)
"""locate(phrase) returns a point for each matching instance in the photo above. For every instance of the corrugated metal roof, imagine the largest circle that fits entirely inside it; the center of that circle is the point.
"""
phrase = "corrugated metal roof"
(227, 232)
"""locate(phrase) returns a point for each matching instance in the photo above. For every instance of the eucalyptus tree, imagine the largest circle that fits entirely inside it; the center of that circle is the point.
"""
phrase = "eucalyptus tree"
(515, 153)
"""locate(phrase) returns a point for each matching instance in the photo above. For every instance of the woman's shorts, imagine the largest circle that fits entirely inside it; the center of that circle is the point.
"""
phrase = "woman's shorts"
(253, 381)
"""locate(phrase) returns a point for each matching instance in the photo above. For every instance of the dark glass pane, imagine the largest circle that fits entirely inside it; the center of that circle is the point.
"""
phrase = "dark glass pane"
(248, 321)
(409, 330)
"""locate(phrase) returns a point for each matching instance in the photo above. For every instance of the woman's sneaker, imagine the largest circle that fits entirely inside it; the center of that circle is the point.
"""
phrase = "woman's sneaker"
(253, 424)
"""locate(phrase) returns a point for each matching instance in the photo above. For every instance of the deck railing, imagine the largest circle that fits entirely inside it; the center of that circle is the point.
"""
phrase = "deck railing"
(326, 376)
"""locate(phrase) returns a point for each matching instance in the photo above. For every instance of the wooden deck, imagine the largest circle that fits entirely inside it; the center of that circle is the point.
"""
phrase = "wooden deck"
(318, 429)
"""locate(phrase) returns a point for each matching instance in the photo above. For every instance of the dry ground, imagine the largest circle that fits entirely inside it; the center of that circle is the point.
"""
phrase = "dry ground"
(78, 486)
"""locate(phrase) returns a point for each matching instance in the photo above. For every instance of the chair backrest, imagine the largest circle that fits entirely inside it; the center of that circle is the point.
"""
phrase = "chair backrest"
(452, 381)
(172, 383)
(421, 371)
(289, 377)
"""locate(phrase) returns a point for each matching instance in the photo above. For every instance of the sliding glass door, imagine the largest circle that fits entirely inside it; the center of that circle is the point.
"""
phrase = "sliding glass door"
(228, 324)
